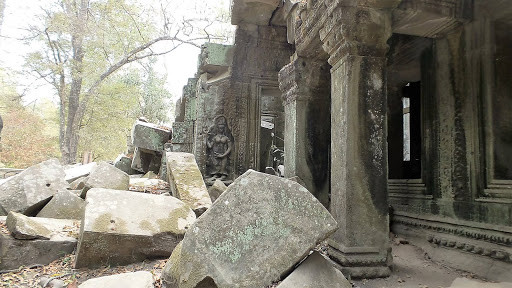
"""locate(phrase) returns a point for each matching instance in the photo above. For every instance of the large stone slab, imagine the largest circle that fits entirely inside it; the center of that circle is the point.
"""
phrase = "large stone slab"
(78, 171)
(31, 189)
(315, 271)
(63, 205)
(150, 136)
(257, 230)
(122, 227)
(187, 182)
(139, 279)
(15, 253)
(25, 228)
(106, 176)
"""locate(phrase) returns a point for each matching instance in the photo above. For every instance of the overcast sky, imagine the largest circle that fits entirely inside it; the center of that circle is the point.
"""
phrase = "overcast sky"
(180, 64)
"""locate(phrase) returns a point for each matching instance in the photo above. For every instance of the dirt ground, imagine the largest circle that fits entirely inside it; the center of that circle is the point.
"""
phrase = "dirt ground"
(413, 269)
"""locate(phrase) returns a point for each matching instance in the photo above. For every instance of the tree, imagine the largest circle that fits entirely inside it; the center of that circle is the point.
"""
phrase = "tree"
(84, 42)
(24, 141)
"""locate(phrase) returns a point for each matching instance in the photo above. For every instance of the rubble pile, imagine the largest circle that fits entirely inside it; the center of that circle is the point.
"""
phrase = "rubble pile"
(253, 233)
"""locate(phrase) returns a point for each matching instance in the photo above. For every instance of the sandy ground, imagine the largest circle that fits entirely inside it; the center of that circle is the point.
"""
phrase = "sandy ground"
(413, 269)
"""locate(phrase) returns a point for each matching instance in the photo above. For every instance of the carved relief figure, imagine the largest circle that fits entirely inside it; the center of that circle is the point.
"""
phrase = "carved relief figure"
(219, 145)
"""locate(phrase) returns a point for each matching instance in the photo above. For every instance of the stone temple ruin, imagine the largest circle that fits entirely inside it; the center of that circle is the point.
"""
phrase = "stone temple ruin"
(379, 106)
(380, 116)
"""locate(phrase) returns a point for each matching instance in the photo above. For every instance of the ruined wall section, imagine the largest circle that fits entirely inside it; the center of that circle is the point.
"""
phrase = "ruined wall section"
(260, 52)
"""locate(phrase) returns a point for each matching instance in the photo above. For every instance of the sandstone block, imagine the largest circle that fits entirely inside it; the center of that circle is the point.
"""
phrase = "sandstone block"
(124, 164)
(63, 205)
(106, 176)
(139, 279)
(150, 136)
(78, 171)
(31, 189)
(315, 271)
(187, 182)
(23, 227)
(122, 227)
(257, 230)
(217, 189)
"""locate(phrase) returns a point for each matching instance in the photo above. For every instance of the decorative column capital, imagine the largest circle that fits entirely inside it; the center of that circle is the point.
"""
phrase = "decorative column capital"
(357, 31)
(303, 78)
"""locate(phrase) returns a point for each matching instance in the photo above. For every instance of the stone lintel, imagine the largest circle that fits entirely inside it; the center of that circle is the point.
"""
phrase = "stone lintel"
(431, 18)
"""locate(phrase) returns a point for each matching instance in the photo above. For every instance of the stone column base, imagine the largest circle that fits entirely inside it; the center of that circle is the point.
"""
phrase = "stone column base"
(361, 262)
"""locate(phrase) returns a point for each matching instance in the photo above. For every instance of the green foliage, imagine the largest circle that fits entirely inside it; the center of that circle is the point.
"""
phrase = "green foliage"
(25, 140)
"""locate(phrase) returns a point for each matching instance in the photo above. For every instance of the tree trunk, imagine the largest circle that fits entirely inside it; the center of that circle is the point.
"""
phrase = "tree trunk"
(69, 151)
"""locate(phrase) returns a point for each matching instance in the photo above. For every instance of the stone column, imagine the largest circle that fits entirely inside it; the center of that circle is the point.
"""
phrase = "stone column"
(356, 42)
(305, 86)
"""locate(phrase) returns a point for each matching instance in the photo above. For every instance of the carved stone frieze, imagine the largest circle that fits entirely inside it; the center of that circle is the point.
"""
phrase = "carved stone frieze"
(356, 31)
(476, 233)
(303, 78)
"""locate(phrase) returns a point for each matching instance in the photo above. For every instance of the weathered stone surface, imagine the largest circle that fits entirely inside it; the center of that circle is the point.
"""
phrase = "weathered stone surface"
(315, 271)
(24, 228)
(15, 253)
(187, 182)
(146, 160)
(106, 176)
(139, 279)
(64, 205)
(124, 164)
(170, 273)
(149, 136)
(471, 283)
(217, 189)
(257, 230)
(153, 186)
(121, 227)
(28, 191)
(79, 183)
(79, 171)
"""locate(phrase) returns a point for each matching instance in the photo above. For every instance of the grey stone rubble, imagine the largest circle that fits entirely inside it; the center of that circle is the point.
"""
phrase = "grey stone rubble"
(15, 253)
(315, 271)
(63, 205)
(217, 189)
(149, 142)
(26, 228)
(30, 190)
(106, 176)
(140, 279)
(78, 171)
(122, 227)
(187, 182)
(255, 232)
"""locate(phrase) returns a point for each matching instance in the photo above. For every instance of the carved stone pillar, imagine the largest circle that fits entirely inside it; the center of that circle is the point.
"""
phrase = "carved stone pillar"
(305, 86)
(355, 39)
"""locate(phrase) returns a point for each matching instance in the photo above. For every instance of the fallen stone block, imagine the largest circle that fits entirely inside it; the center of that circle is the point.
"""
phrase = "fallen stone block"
(170, 273)
(122, 227)
(256, 231)
(139, 279)
(150, 136)
(63, 205)
(25, 228)
(315, 271)
(15, 253)
(78, 171)
(146, 160)
(124, 164)
(153, 186)
(106, 176)
(187, 182)
(31, 189)
(217, 189)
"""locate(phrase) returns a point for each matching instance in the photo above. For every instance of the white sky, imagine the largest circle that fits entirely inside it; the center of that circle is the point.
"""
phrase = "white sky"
(180, 64)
